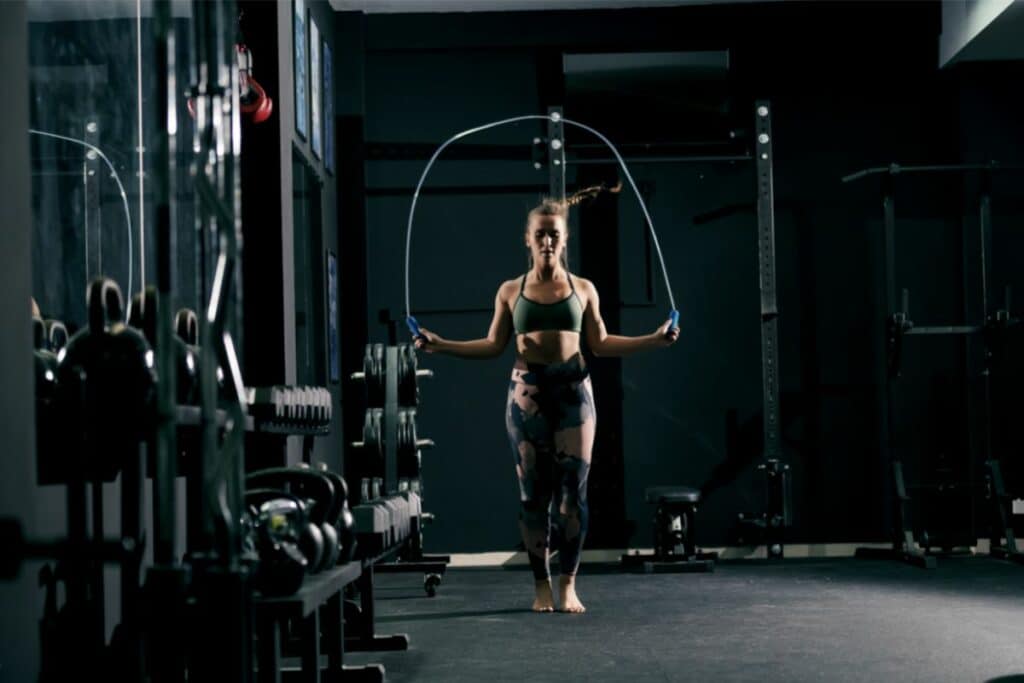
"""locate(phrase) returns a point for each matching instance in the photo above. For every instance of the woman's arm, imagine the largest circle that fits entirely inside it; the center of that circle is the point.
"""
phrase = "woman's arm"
(489, 347)
(603, 344)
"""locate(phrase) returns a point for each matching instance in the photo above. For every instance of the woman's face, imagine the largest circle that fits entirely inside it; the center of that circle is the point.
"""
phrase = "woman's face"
(546, 238)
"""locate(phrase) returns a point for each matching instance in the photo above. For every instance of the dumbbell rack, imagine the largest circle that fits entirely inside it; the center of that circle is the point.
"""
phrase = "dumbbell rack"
(316, 612)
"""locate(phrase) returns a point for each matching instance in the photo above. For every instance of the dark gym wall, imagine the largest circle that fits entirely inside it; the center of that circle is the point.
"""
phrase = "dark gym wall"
(462, 247)
(274, 277)
(349, 62)
(859, 89)
(19, 654)
(331, 448)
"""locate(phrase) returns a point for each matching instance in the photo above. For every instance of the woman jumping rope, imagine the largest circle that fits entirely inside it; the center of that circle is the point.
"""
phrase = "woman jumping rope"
(550, 414)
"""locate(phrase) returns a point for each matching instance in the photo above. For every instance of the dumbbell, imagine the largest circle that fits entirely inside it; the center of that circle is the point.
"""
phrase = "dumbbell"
(310, 485)
(301, 405)
(299, 393)
(308, 407)
(319, 410)
(106, 378)
(329, 401)
(324, 401)
(398, 511)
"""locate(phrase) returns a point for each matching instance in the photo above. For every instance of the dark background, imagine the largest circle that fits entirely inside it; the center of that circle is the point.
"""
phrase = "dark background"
(852, 85)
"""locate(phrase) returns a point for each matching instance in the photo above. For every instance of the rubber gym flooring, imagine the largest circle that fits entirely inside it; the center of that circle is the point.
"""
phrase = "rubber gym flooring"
(799, 620)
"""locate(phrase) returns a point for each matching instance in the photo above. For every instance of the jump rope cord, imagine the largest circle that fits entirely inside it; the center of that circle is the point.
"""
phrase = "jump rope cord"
(124, 201)
(528, 117)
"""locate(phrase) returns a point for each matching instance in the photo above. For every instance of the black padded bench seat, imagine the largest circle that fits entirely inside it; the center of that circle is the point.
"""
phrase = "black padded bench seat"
(675, 549)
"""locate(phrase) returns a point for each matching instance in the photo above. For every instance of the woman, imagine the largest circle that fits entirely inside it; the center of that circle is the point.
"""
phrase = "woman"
(550, 413)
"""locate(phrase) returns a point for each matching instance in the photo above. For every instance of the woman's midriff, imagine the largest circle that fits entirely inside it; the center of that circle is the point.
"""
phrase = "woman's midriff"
(547, 346)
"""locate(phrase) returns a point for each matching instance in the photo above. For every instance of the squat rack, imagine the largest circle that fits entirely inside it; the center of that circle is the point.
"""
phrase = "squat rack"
(777, 513)
(993, 327)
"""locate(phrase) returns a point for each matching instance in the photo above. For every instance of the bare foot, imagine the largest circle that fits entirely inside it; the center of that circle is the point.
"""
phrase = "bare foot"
(567, 597)
(545, 601)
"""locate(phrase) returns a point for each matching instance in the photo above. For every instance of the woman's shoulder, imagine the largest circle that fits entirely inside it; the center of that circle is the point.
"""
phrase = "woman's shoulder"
(583, 283)
(510, 288)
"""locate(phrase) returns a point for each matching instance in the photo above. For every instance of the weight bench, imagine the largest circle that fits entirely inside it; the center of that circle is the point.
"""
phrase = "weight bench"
(675, 549)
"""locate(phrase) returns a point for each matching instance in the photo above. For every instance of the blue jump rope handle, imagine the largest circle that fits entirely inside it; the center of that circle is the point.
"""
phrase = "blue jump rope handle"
(674, 317)
(414, 327)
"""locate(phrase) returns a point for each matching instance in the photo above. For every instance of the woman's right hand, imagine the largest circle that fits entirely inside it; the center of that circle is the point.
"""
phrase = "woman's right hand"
(428, 341)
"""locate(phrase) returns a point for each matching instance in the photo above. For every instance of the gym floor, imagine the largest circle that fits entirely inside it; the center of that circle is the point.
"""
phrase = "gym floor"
(799, 620)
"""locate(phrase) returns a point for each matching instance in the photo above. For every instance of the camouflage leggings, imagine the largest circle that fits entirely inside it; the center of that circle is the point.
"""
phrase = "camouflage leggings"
(551, 419)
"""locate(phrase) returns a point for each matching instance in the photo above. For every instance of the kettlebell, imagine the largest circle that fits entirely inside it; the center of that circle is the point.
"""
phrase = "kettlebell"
(344, 521)
(309, 485)
(186, 327)
(106, 382)
(309, 537)
(281, 566)
(49, 447)
(144, 317)
(45, 362)
(56, 335)
(332, 540)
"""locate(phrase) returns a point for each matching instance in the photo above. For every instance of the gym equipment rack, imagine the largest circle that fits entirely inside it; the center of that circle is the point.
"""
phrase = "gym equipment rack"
(992, 327)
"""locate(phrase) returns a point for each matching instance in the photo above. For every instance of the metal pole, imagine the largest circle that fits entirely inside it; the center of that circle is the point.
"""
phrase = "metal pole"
(777, 514)
(766, 269)
(164, 509)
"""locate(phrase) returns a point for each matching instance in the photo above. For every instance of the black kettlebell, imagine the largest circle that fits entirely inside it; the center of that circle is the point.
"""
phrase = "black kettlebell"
(45, 361)
(310, 539)
(186, 327)
(345, 523)
(106, 382)
(309, 485)
(144, 317)
(274, 534)
(332, 508)
(56, 335)
(48, 434)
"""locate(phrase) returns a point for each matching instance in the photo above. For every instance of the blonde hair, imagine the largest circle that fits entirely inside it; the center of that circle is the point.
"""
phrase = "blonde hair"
(559, 208)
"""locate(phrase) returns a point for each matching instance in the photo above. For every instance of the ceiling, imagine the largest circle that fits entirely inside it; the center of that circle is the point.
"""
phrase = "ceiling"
(981, 30)
(411, 6)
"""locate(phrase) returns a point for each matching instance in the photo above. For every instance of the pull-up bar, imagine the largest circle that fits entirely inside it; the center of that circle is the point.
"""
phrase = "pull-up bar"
(897, 169)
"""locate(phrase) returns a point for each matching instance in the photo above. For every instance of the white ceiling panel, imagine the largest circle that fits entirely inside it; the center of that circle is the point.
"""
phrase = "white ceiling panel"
(414, 6)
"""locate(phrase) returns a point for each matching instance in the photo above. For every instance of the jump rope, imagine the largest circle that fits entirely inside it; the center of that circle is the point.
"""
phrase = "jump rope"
(412, 323)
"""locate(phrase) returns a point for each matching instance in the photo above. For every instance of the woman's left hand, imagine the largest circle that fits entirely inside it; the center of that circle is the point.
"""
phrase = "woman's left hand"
(666, 335)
